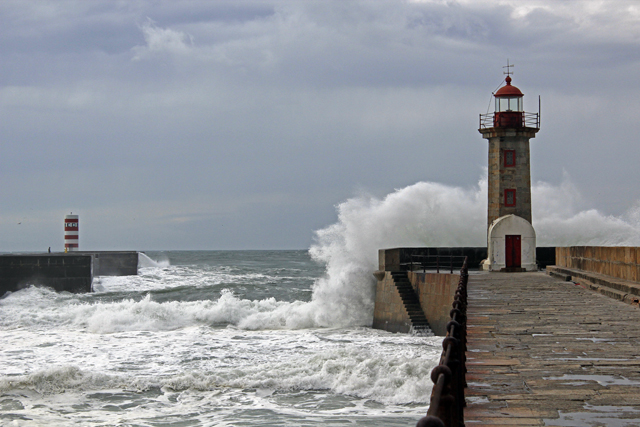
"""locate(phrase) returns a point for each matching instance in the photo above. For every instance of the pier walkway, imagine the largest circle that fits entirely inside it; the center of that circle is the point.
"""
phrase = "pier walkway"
(547, 352)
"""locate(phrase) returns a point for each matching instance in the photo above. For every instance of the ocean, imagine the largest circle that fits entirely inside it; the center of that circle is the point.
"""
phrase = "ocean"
(208, 338)
(259, 338)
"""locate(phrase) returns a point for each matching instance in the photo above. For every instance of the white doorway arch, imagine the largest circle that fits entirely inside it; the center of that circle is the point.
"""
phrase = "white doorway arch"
(511, 245)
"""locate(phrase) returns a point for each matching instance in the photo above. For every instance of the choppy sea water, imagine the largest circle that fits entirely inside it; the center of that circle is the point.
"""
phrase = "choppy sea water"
(208, 338)
(258, 338)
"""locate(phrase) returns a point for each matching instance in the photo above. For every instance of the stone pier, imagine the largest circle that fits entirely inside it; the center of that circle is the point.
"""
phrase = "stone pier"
(546, 352)
(70, 272)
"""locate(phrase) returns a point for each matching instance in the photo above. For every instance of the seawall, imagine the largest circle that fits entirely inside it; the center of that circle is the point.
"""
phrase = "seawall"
(70, 272)
(393, 259)
(434, 291)
(62, 272)
(115, 263)
(622, 262)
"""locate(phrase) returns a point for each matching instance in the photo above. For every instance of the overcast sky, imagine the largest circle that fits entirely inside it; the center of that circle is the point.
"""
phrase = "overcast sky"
(242, 124)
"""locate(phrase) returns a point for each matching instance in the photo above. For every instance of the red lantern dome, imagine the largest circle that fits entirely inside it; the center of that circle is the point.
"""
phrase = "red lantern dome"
(508, 106)
(508, 90)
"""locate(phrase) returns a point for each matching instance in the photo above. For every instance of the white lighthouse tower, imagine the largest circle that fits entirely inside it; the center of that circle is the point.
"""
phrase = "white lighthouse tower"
(511, 239)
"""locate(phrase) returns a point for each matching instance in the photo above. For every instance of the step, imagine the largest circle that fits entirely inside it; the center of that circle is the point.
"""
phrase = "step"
(419, 322)
(612, 287)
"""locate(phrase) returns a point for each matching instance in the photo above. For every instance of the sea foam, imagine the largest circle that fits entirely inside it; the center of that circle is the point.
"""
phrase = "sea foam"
(359, 363)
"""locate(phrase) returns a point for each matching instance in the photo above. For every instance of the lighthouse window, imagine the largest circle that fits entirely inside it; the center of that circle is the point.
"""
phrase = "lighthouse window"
(509, 158)
(509, 104)
(509, 197)
(503, 104)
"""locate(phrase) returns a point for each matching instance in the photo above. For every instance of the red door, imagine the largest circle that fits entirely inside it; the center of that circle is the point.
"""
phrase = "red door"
(512, 251)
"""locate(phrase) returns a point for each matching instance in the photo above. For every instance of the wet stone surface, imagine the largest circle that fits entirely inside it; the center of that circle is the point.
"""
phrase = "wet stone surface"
(543, 352)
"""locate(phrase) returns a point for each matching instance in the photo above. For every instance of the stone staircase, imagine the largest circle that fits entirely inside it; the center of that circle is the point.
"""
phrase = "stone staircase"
(613, 287)
(419, 323)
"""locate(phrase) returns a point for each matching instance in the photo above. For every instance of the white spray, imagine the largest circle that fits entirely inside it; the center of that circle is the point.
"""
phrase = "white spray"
(431, 214)
(423, 214)
(145, 262)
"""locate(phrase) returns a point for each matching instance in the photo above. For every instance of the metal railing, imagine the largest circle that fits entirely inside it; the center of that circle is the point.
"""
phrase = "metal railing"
(447, 404)
(529, 120)
(434, 262)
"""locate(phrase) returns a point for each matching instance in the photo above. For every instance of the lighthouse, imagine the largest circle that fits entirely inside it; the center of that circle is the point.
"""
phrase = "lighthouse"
(71, 233)
(511, 239)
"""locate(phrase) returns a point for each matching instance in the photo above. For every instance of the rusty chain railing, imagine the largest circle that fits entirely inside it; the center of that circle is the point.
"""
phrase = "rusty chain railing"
(447, 396)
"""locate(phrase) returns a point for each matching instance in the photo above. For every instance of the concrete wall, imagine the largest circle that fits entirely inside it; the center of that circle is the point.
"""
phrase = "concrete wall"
(114, 263)
(389, 313)
(435, 292)
(71, 272)
(62, 272)
(392, 259)
(622, 262)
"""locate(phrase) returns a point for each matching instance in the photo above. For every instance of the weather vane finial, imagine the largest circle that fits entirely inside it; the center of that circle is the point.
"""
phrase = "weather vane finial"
(508, 67)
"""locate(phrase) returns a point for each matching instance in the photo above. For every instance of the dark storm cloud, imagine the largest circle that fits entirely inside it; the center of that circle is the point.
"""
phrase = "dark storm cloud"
(240, 124)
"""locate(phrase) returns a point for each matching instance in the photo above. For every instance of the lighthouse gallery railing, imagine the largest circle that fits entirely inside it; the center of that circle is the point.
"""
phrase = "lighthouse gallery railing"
(529, 120)
(447, 396)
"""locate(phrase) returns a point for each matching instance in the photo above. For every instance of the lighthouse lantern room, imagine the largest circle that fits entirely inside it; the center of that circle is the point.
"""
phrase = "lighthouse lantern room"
(510, 235)
(508, 106)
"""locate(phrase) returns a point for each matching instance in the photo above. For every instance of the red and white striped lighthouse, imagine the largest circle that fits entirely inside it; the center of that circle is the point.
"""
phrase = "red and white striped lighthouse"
(71, 233)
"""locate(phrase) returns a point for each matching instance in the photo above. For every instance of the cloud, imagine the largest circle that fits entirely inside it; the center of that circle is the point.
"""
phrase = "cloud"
(162, 40)
(294, 105)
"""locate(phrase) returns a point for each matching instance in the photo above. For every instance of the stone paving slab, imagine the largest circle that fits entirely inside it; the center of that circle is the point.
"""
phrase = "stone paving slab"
(545, 352)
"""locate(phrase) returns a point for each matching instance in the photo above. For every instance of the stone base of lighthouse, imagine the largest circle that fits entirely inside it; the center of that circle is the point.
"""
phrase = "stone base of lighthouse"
(511, 245)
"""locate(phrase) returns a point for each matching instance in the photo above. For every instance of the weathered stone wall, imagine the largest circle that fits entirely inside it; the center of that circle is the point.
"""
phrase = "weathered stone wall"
(62, 272)
(435, 292)
(622, 262)
(500, 177)
(391, 259)
(111, 263)
(71, 272)
(389, 313)
(397, 259)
